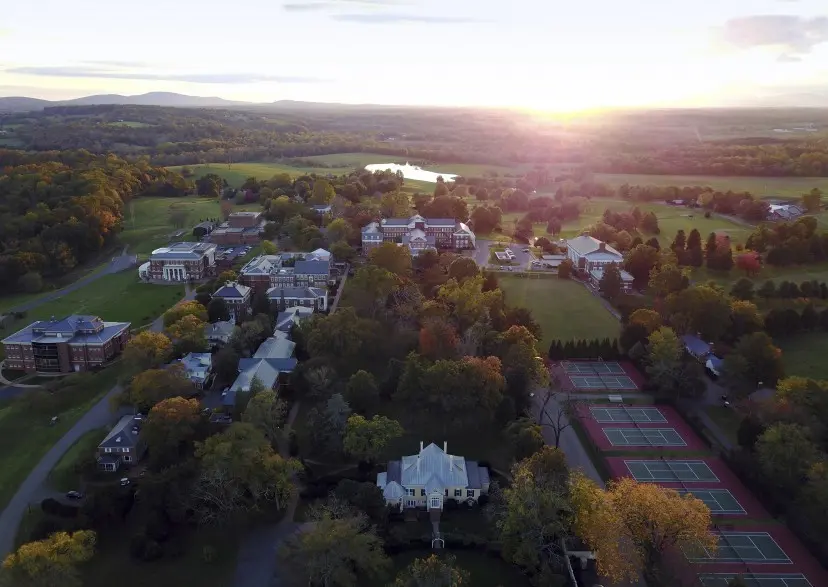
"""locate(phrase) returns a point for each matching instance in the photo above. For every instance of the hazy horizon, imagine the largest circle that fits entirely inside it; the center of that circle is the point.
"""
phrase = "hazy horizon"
(594, 54)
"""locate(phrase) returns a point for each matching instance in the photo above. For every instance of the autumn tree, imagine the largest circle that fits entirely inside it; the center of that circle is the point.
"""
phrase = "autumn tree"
(362, 392)
(640, 261)
(649, 319)
(700, 308)
(812, 201)
(154, 385)
(525, 437)
(239, 472)
(467, 300)
(392, 258)
(438, 339)
(50, 562)
(611, 283)
(169, 428)
(323, 192)
(533, 514)
(664, 353)
(644, 527)
(754, 359)
(433, 571)
(565, 269)
(335, 552)
(266, 412)
(370, 287)
(366, 439)
(749, 262)
(339, 230)
(668, 279)
(146, 350)
(188, 334)
(189, 308)
(463, 268)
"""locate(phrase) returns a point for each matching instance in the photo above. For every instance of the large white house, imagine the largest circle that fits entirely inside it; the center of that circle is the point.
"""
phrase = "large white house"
(427, 479)
(588, 253)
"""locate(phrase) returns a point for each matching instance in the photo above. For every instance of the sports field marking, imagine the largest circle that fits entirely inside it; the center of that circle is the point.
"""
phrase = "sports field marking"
(672, 470)
(749, 547)
(720, 501)
(756, 580)
(586, 382)
(594, 368)
(644, 437)
(631, 414)
(618, 382)
(602, 382)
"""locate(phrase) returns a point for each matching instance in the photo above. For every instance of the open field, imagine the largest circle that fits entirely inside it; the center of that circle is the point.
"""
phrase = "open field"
(120, 297)
(25, 433)
(766, 187)
(64, 476)
(564, 308)
(804, 355)
(796, 273)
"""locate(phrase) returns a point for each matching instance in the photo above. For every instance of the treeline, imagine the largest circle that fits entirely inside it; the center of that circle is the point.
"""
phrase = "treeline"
(61, 209)
(584, 349)
(789, 243)
(744, 290)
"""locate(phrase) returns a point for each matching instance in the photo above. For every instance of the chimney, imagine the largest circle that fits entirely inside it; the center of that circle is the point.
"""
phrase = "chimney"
(445, 446)
(602, 246)
(421, 446)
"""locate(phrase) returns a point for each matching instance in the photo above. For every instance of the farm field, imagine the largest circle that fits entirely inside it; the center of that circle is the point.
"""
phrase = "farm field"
(147, 224)
(766, 187)
(564, 308)
(804, 355)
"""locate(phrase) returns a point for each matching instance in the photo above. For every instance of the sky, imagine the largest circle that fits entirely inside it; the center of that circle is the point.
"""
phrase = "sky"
(545, 55)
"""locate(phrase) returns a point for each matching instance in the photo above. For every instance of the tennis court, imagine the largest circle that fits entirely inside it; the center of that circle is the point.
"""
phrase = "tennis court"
(602, 382)
(720, 501)
(672, 470)
(631, 414)
(744, 547)
(644, 437)
(593, 368)
(756, 580)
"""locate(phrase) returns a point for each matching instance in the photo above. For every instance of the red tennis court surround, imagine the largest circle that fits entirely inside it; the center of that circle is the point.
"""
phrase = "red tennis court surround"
(557, 370)
(647, 428)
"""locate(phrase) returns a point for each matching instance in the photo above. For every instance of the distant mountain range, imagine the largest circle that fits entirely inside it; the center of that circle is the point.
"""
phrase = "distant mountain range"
(23, 104)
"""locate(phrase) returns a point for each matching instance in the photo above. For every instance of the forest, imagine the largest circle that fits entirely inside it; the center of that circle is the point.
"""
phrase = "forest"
(61, 209)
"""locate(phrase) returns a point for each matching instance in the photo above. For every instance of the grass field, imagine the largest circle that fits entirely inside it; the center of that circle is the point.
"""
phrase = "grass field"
(64, 477)
(116, 298)
(766, 187)
(147, 224)
(483, 570)
(796, 273)
(25, 434)
(804, 355)
(564, 308)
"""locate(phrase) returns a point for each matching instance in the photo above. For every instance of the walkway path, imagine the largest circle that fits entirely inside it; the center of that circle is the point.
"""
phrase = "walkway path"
(256, 565)
(339, 291)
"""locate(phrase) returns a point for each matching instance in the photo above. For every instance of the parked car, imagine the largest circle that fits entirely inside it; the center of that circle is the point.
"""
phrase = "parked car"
(124, 481)
(74, 495)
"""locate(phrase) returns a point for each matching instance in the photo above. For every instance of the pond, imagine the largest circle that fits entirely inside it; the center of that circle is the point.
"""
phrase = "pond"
(411, 171)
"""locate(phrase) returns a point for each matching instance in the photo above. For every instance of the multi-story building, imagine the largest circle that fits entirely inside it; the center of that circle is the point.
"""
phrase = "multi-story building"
(418, 234)
(309, 297)
(122, 446)
(75, 343)
(287, 270)
(241, 228)
(180, 262)
(237, 298)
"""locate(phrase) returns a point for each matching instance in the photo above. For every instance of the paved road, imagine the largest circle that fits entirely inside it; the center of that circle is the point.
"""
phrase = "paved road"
(481, 254)
(97, 417)
(116, 265)
(10, 391)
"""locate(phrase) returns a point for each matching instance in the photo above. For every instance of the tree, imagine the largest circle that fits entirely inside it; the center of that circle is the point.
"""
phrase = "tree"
(611, 282)
(31, 282)
(50, 562)
(343, 252)
(438, 339)
(463, 268)
(366, 439)
(634, 526)
(210, 186)
(228, 276)
(217, 310)
(362, 392)
(525, 437)
(169, 427)
(188, 308)
(268, 248)
(664, 359)
(785, 453)
(744, 318)
(238, 472)
(329, 425)
(335, 553)
(259, 303)
(812, 201)
(742, 289)
(700, 308)
(468, 302)
(266, 412)
(226, 364)
(154, 385)
(763, 359)
(339, 230)
(668, 279)
(323, 192)
(749, 262)
(557, 411)
(565, 269)
(533, 513)
(649, 319)
(768, 290)
(392, 258)
(694, 256)
(433, 571)
(640, 262)
(395, 204)
(147, 349)
(188, 334)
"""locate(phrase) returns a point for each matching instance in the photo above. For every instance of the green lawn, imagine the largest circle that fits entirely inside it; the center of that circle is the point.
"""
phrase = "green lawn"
(564, 308)
(805, 355)
(25, 433)
(727, 419)
(782, 187)
(147, 221)
(64, 476)
(483, 570)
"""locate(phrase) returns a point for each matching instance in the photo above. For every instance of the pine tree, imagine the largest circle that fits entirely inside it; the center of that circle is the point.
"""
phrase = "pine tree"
(710, 249)
(679, 243)
(653, 242)
(695, 256)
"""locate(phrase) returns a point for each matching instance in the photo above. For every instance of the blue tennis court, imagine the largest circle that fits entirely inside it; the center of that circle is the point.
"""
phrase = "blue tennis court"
(756, 579)
(593, 368)
(743, 547)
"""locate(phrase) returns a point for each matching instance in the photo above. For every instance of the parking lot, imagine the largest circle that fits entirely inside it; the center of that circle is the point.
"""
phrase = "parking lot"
(521, 257)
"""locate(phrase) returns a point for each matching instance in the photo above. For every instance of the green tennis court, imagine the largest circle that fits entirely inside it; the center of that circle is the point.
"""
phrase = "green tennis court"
(744, 547)
(593, 368)
(720, 501)
(756, 580)
(602, 382)
(672, 470)
(644, 437)
(631, 414)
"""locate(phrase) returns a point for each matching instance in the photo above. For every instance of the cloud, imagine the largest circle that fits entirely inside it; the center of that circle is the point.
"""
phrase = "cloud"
(107, 63)
(326, 5)
(390, 18)
(193, 78)
(793, 35)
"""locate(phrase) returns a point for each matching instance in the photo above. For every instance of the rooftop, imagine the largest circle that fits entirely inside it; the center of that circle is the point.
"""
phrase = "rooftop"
(276, 347)
(232, 289)
(183, 251)
(586, 245)
(124, 433)
(75, 329)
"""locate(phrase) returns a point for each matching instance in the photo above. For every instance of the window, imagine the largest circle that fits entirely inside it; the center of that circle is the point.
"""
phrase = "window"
(435, 502)
(469, 492)
(107, 449)
(422, 492)
(127, 458)
(412, 492)
(458, 492)
(446, 494)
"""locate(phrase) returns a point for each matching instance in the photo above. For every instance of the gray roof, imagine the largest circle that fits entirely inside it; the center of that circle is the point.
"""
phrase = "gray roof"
(478, 476)
(435, 466)
(184, 251)
(285, 320)
(302, 293)
(231, 289)
(276, 347)
(74, 329)
(695, 345)
(124, 433)
(312, 267)
(219, 329)
(586, 245)
(394, 468)
(265, 370)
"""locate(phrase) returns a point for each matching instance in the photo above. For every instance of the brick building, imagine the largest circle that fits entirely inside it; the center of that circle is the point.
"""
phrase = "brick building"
(75, 343)
(418, 234)
(180, 262)
(241, 228)
(287, 270)
(237, 298)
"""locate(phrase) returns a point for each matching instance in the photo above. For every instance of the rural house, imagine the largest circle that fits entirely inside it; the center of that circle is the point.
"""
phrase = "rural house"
(122, 446)
(588, 253)
(219, 333)
(429, 478)
(197, 368)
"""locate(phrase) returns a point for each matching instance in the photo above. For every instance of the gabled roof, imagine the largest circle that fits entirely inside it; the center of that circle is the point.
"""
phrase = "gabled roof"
(275, 347)
(312, 267)
(124, 433)
(695, 345)
(197, 366)
(219, 329)
(232, 289)
(294, 315)
(432, 463)
(274, 294)
(586, 245)
(265, 370)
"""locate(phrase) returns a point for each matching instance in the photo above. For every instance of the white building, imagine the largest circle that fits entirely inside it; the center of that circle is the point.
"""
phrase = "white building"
(219, 332)
(588, 253)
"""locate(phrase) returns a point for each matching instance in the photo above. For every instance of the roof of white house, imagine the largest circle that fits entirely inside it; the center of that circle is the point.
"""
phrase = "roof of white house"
(293, 315)
(275, 347)
(432, 466)
(197, 366)
(219, 329)
(390, 489)
(184, 251)
(321, 254)
(598, 273)
(586, 245)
